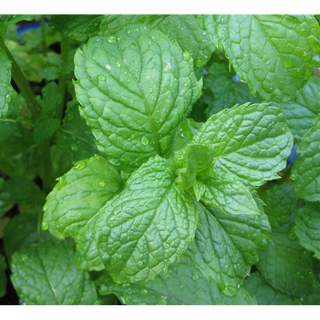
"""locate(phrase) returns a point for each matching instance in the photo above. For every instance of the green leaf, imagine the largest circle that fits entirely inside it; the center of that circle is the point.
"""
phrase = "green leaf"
(308, 227)
(78, 27)
(51, 99)
(79, 195)
(143, 229)
(75, 136)
(225, 92)
(265, 294)
(227, 245)
(19, 155)
(227, 193)
(189, 162)
(6, 202)
(250, 141)
(274, 54)
(157, 85)
(21, 231)
(280, 203)
(46, 274)
(7, 20)
(302, 112)
(306, 170)
(285, 265)
(181, 285)
(185, 29)
(44, 128)
(6, 90)
(3, 276)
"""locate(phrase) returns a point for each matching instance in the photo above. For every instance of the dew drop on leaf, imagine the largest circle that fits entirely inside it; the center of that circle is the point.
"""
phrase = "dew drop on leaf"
(44, 225)
(112, 40)
(80, 166)
(145, 141)
(102, 78)
(70, 300)
(102, 184)
(186, 55)
(8, 98)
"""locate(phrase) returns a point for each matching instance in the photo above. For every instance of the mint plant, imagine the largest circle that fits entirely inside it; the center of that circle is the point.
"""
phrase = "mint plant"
(144, 161)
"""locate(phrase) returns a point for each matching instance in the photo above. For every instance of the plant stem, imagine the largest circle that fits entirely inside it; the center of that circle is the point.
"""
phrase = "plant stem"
(46, 166)
(43, 35)
(62, 81)
(21, 82)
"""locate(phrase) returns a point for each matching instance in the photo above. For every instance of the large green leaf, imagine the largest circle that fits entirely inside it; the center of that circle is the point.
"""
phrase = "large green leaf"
(280, 203)
(286, 265)
(79, 195)
(181, 285)
(135, 88)
(143, 229)
(274, 54)
(46, 274)
(226, 245)
(250, 141)
(308, 227)
(306, 170)
(302, 112)
(265, 294)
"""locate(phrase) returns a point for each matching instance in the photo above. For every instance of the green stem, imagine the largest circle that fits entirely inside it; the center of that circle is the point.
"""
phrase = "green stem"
(21, 82)
(62, 81)
(43, 35)
(46, 166)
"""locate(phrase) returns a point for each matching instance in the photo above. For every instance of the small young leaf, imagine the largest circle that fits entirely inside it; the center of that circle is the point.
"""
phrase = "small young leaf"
(46, 274)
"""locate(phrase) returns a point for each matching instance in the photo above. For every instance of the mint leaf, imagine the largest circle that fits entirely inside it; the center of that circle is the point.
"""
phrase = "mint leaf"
(280, 204)
(51, 99)
(3, 276)
(46, 274)
(75, 136)
(308, 227)
(185, 29)
(7, 20)
(6, 90)
(306, 171)
(143, 229)
(6, 202)
(158, 87)
(265, 294)
(223, 90)
(226, 245)
(227, 193)
(44, 128)
(79, 27)
(79, 195)
(250, 141)
(181, 285)
(302, 112)
(285, 266)
(19, 155)
(274, 54)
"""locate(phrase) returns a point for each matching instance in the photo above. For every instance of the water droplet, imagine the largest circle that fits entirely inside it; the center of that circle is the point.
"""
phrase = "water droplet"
(70, 300)
(102, 78)
(80, 166)
(186, 55)
(140, 263)
(38, 297)
(144, 291)
(8, 98)
(150, 90)
(69, 287)
(145, 141)
(102, 184)
(195, 277)
(44, 225)
(108, 67)
(181, 286)
(112, 40)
